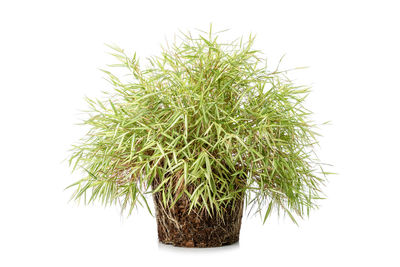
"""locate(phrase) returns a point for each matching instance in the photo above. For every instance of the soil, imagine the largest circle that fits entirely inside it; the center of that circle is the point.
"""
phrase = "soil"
(178, 227)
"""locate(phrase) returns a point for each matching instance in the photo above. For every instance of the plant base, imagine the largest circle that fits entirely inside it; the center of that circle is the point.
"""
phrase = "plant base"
(178, 227)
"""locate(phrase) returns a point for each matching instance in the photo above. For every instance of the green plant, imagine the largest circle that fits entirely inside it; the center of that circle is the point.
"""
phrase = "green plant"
(207, 120)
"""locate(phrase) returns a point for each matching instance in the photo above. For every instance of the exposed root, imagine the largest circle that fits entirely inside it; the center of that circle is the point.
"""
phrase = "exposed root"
(178, 227)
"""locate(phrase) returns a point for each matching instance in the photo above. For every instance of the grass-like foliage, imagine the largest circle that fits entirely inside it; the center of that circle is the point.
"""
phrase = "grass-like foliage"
(203, 119)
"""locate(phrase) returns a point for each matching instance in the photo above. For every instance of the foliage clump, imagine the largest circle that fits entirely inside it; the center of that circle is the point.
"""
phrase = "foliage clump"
(206, 120)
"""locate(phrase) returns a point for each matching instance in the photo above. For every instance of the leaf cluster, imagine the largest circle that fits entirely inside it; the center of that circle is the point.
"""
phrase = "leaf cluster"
(207, 120)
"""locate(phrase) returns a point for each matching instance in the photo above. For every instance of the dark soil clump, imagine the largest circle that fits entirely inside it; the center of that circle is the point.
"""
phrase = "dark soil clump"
(180, 228)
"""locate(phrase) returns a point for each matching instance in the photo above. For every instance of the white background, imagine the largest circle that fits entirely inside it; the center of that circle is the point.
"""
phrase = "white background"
(50, 52)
